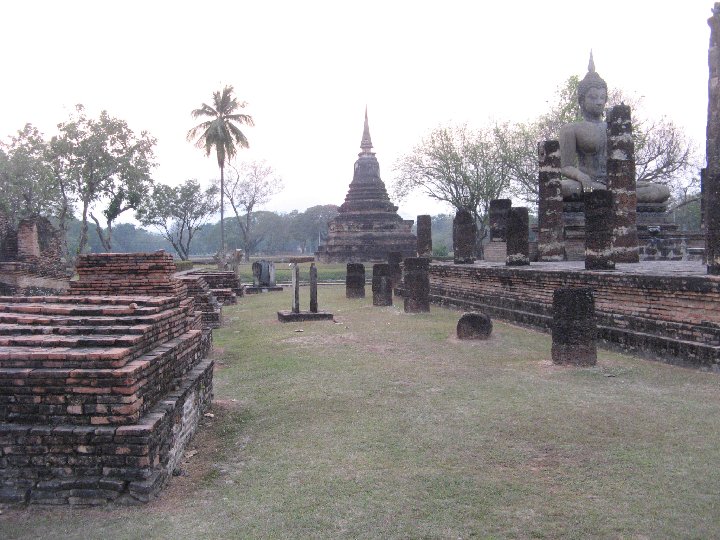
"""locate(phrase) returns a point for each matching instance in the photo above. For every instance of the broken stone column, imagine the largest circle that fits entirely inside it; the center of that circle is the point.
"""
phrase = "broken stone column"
(598, 230)
(474, 325)
(621, 182)
(394, 259)
(424, 236)
(464, 237)
(355, 281)
(551, 244)
(295, 288)
(416, 277)
(313, 288)
(574, 330)
(518, 243)
(712, 150)
(382, 285)
(498, 216)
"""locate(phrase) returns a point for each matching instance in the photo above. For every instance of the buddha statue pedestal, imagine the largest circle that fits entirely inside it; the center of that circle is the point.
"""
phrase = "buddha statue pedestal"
(658, 236)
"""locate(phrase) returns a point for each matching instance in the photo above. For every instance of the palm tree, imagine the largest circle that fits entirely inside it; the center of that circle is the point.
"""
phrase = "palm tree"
(222, 133)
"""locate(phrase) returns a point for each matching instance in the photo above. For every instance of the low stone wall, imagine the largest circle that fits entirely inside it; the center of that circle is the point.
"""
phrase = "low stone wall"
(675, 317)
(27, 279)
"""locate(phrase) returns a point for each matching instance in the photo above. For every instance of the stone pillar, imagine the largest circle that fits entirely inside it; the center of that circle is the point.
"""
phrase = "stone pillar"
(551, 244)
(712, 234)
(499, 210)
(296, 288)
(464, 235)
(598, 230)
(574, 330)
(313, 288)
(518, 242)
(271, 271)
(712, 150)
(394, 260)
(703, 212)
(417, 285)
(382, 285)
(621, 182)
(424, 236)
(355, 281)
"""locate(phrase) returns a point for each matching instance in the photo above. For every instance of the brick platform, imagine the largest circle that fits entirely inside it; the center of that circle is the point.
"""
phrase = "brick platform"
(127, 273)
(225, 286)
(665, 310)
(205, 300)
(100, 394)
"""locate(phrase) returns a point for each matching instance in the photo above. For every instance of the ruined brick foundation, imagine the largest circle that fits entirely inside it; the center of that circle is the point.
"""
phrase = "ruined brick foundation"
(668, 311)
(100, 394)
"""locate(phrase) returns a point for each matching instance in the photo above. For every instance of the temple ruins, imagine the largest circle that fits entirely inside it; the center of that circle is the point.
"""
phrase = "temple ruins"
(31, 257)
(367, 226)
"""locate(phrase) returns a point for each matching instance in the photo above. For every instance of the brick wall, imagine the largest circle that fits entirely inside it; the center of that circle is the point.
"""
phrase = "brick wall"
(674, 317)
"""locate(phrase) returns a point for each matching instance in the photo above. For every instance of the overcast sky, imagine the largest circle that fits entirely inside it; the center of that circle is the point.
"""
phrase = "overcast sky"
(307, 70)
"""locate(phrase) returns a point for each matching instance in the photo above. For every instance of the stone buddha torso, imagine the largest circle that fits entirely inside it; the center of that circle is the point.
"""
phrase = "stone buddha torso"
(590, 147)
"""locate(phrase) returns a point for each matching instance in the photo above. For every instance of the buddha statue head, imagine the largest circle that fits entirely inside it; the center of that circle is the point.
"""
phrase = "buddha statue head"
(592, 93)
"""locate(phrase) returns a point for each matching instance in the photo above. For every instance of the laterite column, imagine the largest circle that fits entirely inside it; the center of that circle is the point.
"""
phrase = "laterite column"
(355, 281)
(621, 183)
(417, 285)
(464, 234)
(518, 244)
(574, 330)
(598, 230)
(313, 288)
(551, 244)
(382, 285)
(424, 236)
(711, 186)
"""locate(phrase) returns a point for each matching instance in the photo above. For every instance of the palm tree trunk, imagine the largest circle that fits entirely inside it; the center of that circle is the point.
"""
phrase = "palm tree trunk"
(222, 214)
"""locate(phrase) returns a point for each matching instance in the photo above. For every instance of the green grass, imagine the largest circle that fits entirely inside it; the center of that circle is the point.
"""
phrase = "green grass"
(326, 272)
(384, 425)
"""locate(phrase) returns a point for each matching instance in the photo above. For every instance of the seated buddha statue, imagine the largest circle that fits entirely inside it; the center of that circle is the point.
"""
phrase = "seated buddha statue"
(583, 146)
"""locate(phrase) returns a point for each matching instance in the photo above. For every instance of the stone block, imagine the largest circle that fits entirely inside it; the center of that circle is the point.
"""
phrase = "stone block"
(574, 329)
(474, 326)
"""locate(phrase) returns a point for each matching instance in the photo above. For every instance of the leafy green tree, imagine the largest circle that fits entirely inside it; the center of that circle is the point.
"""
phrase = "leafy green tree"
(458, 166)
(249, 186)
(310, 227)
(129, 238)
(221, 132)
(27, 185)
(179, 212)
(103, 158)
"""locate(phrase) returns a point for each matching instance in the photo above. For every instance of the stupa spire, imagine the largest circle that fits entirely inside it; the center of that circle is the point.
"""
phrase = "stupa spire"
(366, 143)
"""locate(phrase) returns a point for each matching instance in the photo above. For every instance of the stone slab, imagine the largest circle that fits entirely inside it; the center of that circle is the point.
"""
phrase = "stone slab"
(304, 316)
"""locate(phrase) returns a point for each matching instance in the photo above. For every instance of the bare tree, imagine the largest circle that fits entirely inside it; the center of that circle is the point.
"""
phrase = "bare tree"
(250, 185)
(462, 167)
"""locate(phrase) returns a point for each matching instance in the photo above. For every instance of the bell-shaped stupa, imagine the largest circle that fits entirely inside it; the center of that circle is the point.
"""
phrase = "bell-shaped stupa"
(367, 226)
